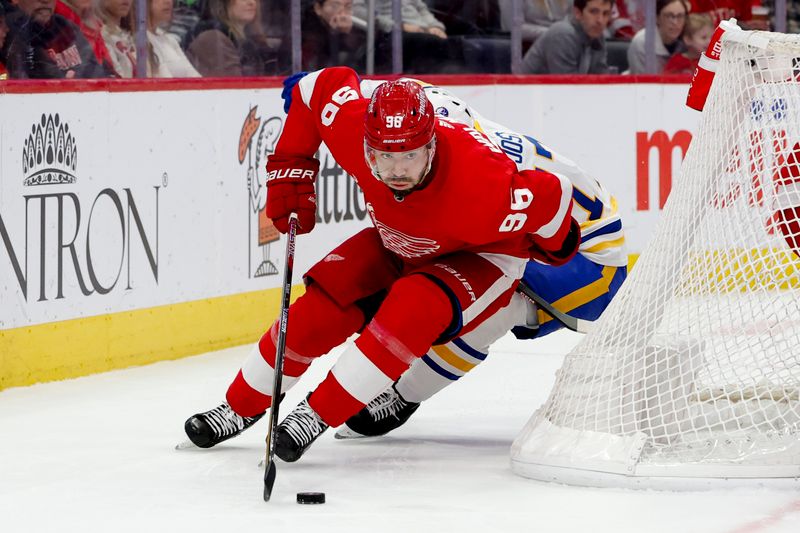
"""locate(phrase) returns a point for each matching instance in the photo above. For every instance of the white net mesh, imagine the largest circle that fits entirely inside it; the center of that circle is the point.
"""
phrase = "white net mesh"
(694, 369)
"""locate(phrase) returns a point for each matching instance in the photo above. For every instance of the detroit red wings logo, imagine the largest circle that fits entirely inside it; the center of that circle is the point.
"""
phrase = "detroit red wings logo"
(400, 243)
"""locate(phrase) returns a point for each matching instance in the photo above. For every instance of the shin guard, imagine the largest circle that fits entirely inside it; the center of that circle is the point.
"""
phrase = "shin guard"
(316, 325)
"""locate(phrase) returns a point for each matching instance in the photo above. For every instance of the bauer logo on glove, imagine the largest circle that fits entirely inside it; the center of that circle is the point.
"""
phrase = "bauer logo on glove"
(290, 189)
(292, 173)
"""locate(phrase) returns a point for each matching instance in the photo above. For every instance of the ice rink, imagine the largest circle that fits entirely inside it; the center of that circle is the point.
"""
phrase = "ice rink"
(97, 454)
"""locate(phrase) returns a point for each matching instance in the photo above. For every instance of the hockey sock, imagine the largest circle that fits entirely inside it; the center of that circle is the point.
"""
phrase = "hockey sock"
(316, 325)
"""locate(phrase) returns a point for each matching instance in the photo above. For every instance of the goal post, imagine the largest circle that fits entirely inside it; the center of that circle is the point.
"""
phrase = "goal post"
(691, 377)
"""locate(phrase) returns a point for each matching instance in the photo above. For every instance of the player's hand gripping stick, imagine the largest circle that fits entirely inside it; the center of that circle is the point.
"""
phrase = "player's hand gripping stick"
(290, 189)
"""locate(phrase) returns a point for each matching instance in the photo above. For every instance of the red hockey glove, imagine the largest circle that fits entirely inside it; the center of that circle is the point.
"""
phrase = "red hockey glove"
(290, 189)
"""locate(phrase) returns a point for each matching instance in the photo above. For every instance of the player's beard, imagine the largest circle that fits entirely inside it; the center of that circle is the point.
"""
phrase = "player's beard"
(401, 183)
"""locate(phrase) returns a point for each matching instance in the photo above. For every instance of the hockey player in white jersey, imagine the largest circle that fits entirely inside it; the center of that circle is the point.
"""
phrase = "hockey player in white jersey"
(582, 288)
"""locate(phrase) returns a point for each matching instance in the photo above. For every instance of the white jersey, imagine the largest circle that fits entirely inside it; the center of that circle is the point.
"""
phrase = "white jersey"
(602, 238)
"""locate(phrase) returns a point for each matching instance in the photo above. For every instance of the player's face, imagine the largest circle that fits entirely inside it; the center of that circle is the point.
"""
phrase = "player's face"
(401, 171)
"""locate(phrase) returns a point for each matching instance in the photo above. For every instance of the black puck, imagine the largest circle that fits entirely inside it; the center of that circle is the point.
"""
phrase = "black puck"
(311, 498)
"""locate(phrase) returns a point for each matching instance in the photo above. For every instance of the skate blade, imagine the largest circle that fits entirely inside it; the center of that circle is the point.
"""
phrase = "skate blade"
(347, 433)
(186, 445)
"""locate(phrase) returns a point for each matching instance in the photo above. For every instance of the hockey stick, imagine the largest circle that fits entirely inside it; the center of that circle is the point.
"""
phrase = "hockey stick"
(270, 471)
(570, 322)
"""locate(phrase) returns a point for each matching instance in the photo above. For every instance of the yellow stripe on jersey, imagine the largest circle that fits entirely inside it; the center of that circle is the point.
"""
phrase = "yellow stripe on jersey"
(583, 295)
(605, 245)
(608, 213)
(452, 359)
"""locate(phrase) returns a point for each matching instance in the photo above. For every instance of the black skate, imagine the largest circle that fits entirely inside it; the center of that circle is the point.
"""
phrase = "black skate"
(385, 413)
(217, 425)
(298, 430)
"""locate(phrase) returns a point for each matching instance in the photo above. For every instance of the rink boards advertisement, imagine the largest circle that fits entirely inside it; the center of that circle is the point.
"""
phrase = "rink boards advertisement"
(132, 226)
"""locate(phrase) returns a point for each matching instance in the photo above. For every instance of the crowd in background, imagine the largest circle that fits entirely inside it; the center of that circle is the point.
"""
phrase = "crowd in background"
(47, 39)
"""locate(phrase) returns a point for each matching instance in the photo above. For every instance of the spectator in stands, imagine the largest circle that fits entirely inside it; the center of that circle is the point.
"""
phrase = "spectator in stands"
(416, 16)
(670, 20)
(627, 18)
(229, 41)
(720, 10)
(475, 29)
(575, 45)
(14, 18)
(117, 31)
(696, 36)
(469, 17)
(329, 37)
(165, 56)
(792, 14)
(750, 14)
(538, 16)
(3, 33)
(185, 16)
(80, 13)
(47, 45)
(426, 47)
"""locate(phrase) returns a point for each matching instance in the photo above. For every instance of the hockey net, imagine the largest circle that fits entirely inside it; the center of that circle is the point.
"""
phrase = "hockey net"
(692, 375)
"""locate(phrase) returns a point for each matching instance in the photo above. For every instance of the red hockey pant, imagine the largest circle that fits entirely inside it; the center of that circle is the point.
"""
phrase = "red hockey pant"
(403, 310)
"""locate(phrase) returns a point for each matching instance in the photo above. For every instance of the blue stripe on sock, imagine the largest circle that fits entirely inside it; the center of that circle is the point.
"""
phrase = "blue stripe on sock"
(439, 370)
(469, 349)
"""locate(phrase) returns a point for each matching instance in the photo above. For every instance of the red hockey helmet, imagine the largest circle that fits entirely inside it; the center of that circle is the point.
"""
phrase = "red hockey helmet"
(399, 117)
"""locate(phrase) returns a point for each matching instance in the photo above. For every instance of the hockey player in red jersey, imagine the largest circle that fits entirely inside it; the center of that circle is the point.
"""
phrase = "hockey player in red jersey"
(455, 223)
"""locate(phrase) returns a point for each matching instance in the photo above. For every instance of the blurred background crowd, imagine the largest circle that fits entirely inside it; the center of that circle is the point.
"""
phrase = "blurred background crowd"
(48, 39)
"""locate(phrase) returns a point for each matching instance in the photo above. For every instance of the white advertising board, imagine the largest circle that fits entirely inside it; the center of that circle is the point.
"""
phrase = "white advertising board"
(128, 200)
(120, 201)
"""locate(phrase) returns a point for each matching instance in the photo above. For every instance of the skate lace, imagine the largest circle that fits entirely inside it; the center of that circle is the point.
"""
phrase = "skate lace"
(385, 405)
(303, 424)
(224, 421)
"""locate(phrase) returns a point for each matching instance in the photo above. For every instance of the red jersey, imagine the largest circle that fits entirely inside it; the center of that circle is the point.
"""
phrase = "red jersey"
(473, 199)
(680, 64)
(720, 10)
(94, 36)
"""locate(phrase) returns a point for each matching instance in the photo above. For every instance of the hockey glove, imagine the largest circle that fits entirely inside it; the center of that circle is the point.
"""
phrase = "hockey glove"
(567, 251)
(288, 86)
(290, 189)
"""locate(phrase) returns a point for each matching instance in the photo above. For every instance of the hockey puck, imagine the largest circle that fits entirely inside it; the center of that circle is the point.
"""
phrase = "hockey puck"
(311, 498)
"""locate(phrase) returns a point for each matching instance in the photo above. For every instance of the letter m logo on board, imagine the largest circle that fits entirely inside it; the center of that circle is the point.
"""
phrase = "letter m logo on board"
(664, 147)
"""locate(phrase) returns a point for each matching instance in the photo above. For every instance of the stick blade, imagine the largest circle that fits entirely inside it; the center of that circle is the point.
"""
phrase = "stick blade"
(269, 480)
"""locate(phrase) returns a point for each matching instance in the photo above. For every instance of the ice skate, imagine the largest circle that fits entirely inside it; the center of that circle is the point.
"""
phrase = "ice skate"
(217, 425)
(297, 431)
(385, 413)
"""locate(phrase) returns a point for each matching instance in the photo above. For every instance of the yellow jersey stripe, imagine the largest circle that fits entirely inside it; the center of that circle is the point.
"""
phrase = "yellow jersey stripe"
(583, 295)
(605, 245)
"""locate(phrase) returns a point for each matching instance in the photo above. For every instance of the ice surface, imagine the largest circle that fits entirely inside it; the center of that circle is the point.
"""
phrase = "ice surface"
(96, 455)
